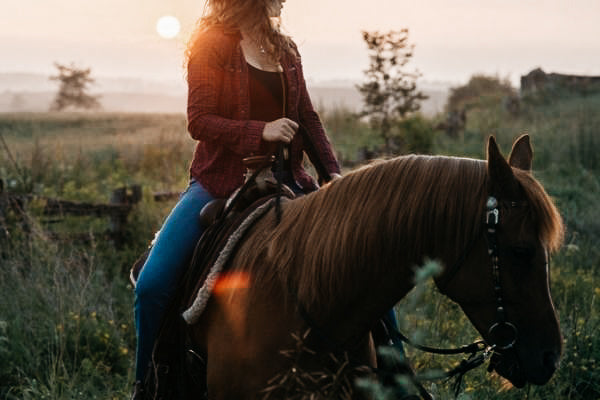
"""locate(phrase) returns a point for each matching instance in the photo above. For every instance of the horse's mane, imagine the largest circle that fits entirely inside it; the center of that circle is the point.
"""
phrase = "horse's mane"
(324, 238)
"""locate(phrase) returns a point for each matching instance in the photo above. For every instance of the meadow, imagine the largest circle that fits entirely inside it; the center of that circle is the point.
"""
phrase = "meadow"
(66, 307)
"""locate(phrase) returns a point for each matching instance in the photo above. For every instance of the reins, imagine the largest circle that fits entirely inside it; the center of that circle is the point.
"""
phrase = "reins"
(311, 150)
(473, 361)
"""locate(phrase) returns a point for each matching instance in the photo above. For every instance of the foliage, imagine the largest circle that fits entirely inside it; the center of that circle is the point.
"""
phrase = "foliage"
(416, 135)
(389, 92)
(350, 134)
(480, 91)
(73, 89)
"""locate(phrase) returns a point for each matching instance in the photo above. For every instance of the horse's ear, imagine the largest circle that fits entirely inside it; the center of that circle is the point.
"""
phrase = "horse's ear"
(502, 180)
(521, 153)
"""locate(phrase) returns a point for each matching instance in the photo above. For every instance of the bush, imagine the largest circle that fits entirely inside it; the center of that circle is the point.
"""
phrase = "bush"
(480, 91)
(416, 135)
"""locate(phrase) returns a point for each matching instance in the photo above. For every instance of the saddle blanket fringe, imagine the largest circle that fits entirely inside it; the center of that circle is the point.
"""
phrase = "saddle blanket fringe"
(192, 314)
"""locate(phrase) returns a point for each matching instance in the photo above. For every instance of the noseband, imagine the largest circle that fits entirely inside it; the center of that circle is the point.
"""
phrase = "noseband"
(502, 333)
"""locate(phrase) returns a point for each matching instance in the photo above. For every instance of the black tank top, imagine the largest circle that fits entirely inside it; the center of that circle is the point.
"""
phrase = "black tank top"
(266, 95)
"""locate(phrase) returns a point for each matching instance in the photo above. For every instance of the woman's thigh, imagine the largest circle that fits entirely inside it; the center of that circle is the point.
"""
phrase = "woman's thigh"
(175, 242)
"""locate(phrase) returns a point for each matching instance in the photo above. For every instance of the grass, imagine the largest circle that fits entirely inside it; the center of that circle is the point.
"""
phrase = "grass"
(65, 310)
(66, 329)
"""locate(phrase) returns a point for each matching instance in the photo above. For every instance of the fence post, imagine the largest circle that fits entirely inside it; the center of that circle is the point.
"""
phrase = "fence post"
(3, 206)
(118, 220)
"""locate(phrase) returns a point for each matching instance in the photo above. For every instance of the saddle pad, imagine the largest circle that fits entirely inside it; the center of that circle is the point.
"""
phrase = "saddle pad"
(193, 312)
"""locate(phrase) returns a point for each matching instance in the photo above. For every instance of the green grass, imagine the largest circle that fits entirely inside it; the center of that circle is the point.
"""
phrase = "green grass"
(65, 325)
(66, 308)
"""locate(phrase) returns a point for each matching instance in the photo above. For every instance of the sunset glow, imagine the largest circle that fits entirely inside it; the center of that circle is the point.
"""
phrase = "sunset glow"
(453, 40)
(168, 26)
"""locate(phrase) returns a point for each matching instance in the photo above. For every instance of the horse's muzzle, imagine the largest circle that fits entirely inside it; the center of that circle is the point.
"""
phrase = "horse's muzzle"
(508, 366)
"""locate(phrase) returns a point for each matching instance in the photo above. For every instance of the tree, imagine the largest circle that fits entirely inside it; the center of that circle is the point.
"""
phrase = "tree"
(390, 92)
(73, 89)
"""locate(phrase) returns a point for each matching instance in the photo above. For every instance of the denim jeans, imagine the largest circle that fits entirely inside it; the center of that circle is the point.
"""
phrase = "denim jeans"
(168, 258)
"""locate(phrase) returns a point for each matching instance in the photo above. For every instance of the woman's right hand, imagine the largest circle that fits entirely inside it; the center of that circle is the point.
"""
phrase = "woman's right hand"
(280, 130)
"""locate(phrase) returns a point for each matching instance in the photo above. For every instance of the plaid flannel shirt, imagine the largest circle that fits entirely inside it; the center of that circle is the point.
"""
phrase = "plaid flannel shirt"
(218, 115)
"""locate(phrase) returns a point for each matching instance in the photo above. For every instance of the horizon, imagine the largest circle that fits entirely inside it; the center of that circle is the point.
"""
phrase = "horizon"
(458, 40)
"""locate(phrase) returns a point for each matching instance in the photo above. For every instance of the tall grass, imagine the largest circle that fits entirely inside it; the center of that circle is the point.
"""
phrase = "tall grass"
(65, 325)
(65, 310)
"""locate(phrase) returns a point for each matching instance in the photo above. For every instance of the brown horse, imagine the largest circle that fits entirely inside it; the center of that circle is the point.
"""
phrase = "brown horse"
(346, 254)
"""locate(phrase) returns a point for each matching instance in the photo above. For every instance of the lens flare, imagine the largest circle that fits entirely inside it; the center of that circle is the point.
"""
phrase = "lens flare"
(231, 281)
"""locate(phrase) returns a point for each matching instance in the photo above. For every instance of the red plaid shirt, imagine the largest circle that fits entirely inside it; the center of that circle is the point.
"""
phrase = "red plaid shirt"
(218, 115)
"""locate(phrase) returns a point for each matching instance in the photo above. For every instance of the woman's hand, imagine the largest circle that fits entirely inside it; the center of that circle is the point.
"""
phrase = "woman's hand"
(280, 130)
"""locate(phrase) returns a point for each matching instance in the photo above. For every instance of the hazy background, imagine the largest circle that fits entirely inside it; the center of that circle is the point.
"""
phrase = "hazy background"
(454, 40)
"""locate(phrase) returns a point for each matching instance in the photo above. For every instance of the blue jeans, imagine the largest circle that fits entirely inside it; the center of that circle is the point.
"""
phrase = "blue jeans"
(168, 258)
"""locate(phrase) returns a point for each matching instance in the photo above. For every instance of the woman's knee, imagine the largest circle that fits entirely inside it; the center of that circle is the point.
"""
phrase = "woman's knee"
(151, 286)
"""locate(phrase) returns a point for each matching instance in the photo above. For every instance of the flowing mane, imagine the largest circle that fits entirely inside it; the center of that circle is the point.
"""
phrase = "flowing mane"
(428, 203)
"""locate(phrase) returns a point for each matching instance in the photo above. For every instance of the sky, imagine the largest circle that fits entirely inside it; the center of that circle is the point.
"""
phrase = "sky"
(453, 39)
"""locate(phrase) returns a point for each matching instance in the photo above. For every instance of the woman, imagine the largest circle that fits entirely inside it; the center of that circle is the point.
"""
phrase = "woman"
(246, 94)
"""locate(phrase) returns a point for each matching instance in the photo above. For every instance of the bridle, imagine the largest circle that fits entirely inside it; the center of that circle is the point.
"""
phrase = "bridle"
(502, 333)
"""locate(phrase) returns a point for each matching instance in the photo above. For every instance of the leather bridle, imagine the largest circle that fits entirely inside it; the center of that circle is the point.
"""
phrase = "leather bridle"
(502, 333)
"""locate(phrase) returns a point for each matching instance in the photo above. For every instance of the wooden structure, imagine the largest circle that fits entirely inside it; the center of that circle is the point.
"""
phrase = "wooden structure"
(538, 81)
(122, 201)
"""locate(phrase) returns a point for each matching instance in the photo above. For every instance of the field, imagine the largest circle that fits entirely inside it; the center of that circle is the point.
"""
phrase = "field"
(66, 307)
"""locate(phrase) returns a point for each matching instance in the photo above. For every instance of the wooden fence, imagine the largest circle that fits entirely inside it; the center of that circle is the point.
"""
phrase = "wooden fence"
(121, 204)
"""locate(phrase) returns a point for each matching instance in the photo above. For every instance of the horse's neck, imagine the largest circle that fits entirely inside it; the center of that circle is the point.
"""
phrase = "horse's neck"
(377, 256)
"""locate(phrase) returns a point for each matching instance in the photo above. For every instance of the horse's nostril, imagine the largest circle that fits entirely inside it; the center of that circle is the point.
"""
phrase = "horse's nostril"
(550, 361)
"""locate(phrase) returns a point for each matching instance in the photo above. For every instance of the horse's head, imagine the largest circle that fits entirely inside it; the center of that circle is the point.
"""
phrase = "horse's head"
(512, 290)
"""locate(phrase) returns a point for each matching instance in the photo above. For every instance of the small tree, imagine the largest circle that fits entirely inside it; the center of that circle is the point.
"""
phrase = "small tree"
(389, 92)
(73, 89)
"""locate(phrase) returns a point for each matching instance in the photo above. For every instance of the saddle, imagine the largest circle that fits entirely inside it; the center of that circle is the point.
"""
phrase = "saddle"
(220, 217)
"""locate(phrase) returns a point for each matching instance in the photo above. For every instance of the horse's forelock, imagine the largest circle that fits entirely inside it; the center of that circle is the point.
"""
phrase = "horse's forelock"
(545, 214)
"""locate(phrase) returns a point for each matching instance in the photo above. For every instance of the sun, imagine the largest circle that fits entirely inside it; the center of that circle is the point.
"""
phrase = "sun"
(168, 26)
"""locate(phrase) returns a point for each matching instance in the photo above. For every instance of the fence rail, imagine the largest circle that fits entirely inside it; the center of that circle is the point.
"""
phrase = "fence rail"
(122, 202)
